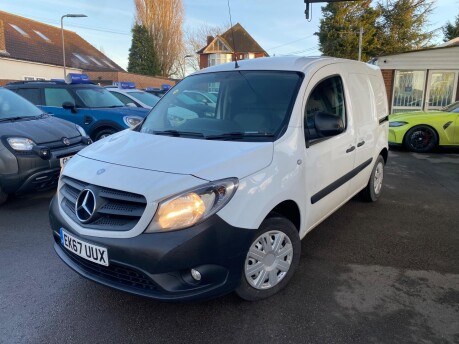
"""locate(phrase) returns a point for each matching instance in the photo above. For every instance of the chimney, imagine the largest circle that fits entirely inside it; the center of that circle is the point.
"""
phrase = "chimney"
(209, 39)
(2, 39)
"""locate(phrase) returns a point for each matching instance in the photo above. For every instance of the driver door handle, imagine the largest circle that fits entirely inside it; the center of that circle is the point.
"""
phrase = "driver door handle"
(361, 143)
(350, 149)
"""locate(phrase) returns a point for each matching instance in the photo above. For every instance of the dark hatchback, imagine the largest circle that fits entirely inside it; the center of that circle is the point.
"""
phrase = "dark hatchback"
(33, 146)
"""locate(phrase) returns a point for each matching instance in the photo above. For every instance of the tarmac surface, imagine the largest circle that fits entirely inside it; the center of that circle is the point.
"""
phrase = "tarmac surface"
(386, 272)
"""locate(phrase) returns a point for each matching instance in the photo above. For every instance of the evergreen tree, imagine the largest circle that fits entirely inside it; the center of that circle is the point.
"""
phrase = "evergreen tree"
(142, 55)
(403, 25)
(451, 31)
(389, 27)
(339, 29)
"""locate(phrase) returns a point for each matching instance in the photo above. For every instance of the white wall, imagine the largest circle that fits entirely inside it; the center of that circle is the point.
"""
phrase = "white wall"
(16, 70)
(443, 58)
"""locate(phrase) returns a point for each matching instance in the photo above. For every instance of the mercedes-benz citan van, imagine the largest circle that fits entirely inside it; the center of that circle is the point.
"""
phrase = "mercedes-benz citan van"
(197, 200)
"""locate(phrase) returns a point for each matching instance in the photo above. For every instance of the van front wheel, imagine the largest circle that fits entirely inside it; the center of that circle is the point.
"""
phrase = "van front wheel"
(373, 189)
(271, 259)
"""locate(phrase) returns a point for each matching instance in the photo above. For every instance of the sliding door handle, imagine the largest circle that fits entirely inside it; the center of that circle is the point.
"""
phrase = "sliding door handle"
(360, 144)
(350, 149)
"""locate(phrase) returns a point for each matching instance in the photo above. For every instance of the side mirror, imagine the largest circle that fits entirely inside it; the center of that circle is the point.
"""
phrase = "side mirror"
(328, 124)
(131, 105)
(69, 106)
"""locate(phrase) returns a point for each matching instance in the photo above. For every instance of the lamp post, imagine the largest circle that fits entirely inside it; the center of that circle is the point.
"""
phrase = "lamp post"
(62, 32)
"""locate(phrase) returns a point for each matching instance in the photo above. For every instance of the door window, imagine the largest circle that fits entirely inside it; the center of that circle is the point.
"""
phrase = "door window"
(57, 96)
(124, 99)
(327, 96)
(31, 94)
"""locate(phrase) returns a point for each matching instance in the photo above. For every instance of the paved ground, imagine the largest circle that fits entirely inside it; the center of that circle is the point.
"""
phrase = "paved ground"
(372, 273)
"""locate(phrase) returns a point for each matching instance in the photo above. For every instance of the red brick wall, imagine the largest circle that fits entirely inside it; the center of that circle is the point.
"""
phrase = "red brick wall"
(141, 81)
(3, 82)
(388, 76)
(203, 61)
(2, 37)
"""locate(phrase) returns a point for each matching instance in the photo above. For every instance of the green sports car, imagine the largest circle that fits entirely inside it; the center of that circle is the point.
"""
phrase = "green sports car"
(423, 131)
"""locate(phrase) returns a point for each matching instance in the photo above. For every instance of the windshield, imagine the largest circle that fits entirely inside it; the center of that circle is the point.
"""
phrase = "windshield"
(144, 97)
(454, 107)
(95, 97)
(250, 105)
(13, 105)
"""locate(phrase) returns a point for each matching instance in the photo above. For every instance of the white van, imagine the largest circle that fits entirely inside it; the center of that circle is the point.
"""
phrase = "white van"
(199, 200)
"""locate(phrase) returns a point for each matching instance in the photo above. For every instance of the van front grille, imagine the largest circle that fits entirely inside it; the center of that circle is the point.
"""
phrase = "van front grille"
(115, 210)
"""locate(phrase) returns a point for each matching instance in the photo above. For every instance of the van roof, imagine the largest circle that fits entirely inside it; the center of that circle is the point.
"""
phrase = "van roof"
(287, 63)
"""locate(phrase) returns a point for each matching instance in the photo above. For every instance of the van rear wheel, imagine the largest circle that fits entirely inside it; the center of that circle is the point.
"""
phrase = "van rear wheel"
(374, 187)
(271, 259)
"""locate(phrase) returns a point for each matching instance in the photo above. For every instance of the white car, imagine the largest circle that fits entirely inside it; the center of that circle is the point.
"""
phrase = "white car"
(219, 201)
(132, 97)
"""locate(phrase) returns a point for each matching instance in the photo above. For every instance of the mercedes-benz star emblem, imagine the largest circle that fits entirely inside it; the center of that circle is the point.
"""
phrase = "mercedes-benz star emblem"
(85, 206)
(66, 141)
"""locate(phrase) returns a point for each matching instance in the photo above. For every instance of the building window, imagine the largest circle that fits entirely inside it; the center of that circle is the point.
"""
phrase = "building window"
(109, 64)
(18, 29)
(81, 58)
(42, 36)
(93, 59)
(408, 90)
(31, 78)
(216, 59)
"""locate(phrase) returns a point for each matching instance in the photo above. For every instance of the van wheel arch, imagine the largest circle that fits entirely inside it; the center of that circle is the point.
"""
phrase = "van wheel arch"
(289, 210)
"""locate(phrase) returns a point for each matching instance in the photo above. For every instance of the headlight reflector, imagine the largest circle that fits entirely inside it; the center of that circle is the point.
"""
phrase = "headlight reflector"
(192, 206)
(397, 123)
(21, 144)
(132, 121)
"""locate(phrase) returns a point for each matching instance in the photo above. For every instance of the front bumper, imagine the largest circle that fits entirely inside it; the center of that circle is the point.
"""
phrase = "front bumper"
(158, 265)
(35, 173)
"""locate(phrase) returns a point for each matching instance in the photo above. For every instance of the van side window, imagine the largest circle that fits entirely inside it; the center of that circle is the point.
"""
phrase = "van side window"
(327, 96)
(31, 94)
(57, 96)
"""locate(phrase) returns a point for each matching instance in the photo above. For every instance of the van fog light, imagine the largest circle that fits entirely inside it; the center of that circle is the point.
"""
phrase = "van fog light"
(196, 275)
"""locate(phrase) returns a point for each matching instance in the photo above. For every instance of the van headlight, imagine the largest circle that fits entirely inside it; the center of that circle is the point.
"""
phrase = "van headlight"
(193, 206)
(21, 144)
(132, 121)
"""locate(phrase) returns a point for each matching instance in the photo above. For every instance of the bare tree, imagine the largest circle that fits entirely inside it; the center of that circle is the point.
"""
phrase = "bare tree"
(196, 39)
(164, 20)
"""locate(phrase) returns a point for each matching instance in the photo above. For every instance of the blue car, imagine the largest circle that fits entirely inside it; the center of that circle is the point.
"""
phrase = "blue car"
(79, 101)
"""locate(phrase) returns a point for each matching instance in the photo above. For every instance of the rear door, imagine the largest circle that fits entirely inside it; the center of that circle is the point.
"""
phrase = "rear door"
(328, 161)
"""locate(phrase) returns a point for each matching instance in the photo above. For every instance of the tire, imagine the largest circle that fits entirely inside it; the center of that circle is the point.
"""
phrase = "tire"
(420, 139)
(270, 274)
(3, 196)
(104, 133)
(373, 189)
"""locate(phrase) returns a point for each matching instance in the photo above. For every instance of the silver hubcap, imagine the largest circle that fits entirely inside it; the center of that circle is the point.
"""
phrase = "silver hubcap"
(379, 174)
(268, 260)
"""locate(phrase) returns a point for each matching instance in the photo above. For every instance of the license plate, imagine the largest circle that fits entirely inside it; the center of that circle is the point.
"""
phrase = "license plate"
(65, 159)
(83, 249)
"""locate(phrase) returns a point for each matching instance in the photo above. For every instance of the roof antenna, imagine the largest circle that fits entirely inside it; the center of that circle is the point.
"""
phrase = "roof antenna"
(232, 34)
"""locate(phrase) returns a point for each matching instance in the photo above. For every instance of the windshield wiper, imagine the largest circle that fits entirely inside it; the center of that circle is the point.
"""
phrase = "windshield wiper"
(17, 118)
(177, 133)
(238, 135)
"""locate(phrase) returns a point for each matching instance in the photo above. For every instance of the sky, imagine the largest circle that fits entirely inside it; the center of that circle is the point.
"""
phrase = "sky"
(279, 27)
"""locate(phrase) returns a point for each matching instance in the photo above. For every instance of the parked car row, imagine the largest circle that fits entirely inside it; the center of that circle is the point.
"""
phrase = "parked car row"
(44, 123)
